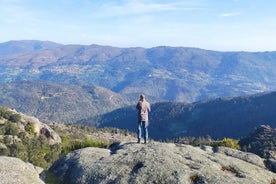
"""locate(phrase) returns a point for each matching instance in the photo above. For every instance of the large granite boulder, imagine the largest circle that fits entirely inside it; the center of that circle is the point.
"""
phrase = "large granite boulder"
(157, 162)
(41, 128)
(15, 171)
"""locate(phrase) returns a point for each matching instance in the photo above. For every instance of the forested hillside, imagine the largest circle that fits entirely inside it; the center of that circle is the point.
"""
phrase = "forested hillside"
(52, 102)
(219, 118)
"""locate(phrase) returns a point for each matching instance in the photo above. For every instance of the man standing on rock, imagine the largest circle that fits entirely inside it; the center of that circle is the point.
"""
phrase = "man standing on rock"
(143, 108)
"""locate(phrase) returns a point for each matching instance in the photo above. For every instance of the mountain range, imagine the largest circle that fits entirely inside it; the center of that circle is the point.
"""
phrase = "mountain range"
(193, 91)
(163, 73)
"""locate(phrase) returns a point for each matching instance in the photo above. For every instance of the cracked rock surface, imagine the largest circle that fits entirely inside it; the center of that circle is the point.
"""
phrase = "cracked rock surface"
(156, 162)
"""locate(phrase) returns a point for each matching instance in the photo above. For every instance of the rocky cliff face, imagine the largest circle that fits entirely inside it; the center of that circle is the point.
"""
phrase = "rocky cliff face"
(157, 162)
(15, 171)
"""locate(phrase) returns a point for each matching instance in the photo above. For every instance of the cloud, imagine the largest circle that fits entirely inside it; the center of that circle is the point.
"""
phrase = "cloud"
(230, 14)
(135, 7)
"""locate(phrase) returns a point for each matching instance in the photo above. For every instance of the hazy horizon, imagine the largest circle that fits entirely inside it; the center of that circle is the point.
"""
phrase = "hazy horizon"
(230, 25)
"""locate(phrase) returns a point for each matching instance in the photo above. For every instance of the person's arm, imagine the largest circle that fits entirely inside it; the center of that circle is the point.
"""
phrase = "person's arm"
(138, 106)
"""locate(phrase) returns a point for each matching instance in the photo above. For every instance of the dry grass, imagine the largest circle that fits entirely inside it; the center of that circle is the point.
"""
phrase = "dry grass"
(196, 179)
(230, 169)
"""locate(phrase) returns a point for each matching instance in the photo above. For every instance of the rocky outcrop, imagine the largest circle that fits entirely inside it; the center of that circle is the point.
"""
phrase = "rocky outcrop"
(262, 142)
(245, 156)
(15, 171)
(41, 128)
(157, 162)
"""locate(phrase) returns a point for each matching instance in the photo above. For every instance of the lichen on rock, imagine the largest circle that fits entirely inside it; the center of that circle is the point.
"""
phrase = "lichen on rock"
(157, 162)
(15, 171)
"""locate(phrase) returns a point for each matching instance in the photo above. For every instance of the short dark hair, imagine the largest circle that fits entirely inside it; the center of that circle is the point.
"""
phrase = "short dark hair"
(142, 96)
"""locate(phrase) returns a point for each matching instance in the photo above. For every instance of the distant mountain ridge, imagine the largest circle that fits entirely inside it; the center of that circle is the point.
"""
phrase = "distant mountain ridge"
(25, 46)
(162, 73)
(219, 118)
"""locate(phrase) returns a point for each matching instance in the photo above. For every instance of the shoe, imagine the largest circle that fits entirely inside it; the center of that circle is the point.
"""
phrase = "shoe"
(138, 141)
(145, 141)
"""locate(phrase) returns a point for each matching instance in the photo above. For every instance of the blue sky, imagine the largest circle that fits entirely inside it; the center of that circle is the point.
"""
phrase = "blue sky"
(225, 25)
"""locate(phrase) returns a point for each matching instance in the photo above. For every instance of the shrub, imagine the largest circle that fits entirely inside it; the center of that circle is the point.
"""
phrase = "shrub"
(18, 150)
(196, 179)
(30, 128)
(228, 142)
(9, 115)
(4, 113)
(2, 129)
(14, 118)
(51, 178)
(11, 129)
(69, 144)
(7, 140)
(89, 142)
(195, 141)
(4, 151)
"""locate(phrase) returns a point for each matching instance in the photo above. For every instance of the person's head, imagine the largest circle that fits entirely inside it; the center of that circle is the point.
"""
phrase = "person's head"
(142, 97)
